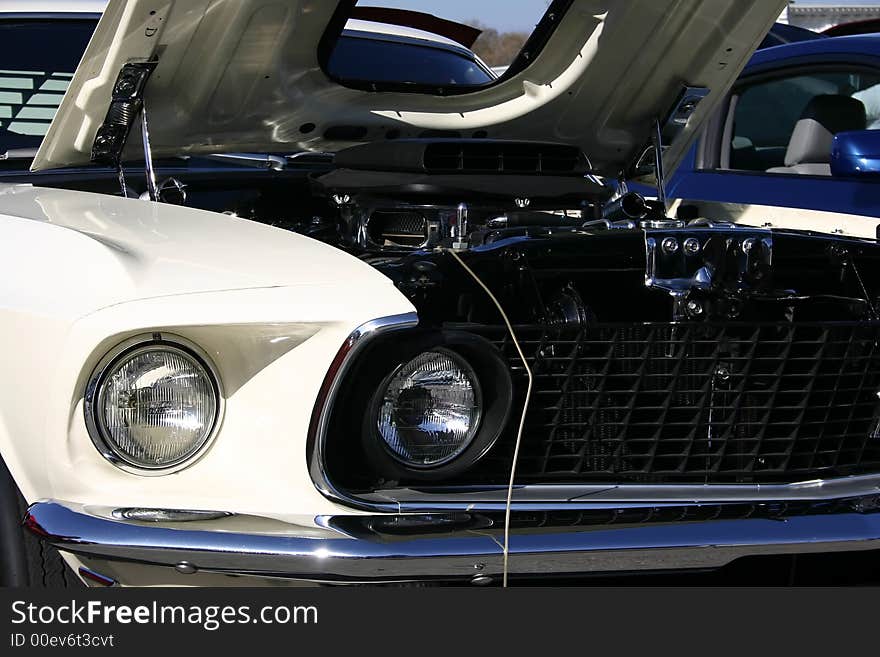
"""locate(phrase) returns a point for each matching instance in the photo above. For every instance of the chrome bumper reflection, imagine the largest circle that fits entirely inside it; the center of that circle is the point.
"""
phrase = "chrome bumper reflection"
(461, 546)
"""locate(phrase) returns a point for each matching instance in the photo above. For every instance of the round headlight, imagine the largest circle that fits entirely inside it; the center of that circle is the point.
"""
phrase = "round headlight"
(155, 407)
(430, 410)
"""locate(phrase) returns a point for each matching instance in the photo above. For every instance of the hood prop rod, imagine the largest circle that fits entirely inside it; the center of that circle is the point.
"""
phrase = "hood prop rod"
(659, 173)
(676, 122)
(149, 171)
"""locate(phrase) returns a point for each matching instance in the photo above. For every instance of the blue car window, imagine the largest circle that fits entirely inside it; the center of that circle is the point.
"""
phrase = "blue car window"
(37, 61)
(381, 60)
(766, 114)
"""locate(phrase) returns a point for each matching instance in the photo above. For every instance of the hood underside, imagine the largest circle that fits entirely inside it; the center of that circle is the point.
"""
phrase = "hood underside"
(244, 76)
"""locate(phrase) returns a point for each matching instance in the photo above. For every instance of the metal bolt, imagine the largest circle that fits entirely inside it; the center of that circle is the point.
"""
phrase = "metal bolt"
(692, 246)
(523, 202)
(125, 88)
(723, 372)
(482, 580)
(185, 568)
(670, 245)
(694, 308)
(749, 244)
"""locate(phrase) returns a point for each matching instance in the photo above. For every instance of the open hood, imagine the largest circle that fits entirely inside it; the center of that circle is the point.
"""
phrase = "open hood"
(245, 76)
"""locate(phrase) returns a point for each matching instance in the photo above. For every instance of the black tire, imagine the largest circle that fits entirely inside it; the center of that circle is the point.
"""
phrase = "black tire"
(24, 559)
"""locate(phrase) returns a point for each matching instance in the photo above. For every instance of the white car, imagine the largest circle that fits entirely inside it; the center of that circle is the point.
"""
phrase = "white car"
(447, 355)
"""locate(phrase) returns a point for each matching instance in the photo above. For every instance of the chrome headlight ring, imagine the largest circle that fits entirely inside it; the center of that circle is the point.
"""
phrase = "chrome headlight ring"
(126, 350)
(397, 444)
(492, 385)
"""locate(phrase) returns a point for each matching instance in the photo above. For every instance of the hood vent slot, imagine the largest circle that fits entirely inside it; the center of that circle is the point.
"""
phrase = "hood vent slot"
(504, 158)
(472, 156)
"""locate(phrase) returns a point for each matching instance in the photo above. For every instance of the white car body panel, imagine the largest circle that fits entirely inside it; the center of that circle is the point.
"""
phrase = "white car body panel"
(135, 250)
(245, 77)
(271, 308)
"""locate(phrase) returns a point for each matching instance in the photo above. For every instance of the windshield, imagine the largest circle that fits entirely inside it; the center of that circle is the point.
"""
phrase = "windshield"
(37, 61)
(466, 44)
(365, 56)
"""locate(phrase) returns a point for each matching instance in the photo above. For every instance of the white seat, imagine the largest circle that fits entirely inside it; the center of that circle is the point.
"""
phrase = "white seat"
(809, 150)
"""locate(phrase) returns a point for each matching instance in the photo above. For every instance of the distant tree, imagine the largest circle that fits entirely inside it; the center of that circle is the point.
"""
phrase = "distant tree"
(498, 48)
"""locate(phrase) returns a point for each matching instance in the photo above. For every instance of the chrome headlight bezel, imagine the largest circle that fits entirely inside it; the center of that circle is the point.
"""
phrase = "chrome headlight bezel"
(108, 364)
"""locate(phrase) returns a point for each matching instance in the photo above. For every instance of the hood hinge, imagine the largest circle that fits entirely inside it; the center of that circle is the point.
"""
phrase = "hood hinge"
(126, 107)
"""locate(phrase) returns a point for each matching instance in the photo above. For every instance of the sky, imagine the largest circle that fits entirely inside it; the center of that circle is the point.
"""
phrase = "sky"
(504, 15)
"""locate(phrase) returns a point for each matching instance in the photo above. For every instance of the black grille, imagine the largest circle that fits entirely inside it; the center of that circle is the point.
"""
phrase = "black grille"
(696, 403)
(403, 228)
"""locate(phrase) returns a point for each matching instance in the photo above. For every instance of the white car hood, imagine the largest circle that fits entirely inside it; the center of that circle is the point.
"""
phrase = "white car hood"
(109, 250)
(244, 76)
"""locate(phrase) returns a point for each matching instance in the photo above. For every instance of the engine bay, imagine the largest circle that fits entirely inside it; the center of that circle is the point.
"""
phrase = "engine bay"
(551, 241)
(558, 249)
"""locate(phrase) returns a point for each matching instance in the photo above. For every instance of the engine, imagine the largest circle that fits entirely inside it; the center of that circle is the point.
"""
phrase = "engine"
(545, 236)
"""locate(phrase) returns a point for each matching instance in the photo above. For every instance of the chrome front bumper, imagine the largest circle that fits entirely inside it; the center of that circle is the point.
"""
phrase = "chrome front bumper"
(580, 540)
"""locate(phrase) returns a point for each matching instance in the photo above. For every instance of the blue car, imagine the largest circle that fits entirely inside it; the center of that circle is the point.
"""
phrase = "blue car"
(800, 129)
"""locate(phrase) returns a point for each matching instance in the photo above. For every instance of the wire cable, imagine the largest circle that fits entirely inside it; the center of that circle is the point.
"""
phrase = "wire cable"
(522, 421)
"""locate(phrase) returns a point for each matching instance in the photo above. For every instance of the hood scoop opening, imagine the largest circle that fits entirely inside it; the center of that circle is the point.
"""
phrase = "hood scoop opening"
(476, 156)
(505, 158)
(499, 173)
